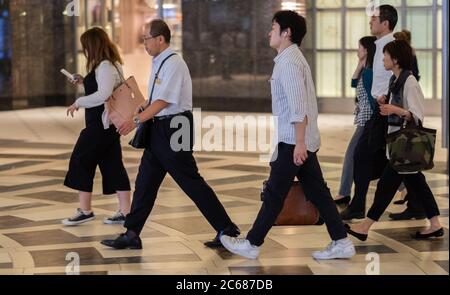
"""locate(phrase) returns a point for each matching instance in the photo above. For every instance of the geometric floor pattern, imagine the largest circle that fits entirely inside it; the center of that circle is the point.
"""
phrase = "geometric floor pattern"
(33, 241)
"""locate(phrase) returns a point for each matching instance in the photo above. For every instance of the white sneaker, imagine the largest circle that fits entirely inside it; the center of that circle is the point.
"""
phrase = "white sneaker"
(342, 249)
(240, 246)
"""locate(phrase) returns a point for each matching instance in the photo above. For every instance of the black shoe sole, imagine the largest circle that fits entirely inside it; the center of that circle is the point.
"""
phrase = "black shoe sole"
(122, 248)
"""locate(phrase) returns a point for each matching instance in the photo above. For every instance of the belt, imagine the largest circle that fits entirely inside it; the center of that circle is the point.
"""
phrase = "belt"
(168, 117)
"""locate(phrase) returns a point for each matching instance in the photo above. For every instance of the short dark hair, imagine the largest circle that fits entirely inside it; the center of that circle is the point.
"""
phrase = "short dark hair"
(401, 51)
(388, 13)
(158, 27)
(368, 43)
(288, 19)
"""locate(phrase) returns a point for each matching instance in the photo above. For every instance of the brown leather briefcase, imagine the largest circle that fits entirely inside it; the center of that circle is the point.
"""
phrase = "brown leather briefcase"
(297, 209)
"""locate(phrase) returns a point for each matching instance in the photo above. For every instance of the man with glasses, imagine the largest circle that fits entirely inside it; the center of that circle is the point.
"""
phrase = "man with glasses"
(170, 104)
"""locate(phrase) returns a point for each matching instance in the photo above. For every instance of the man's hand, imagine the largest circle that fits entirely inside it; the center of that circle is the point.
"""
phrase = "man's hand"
(126, 127)
(73, 108)
(300, 154)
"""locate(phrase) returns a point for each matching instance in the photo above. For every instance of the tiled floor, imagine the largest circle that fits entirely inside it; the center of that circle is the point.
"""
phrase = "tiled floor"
(35, 146)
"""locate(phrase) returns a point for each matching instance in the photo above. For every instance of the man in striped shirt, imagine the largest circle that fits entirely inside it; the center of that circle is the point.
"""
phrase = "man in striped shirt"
(295, 106)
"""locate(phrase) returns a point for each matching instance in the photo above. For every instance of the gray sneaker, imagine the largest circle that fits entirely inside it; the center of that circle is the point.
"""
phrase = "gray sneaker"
(118, 218)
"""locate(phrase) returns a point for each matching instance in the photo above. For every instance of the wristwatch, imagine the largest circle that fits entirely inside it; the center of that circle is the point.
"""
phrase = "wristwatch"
(136, 120)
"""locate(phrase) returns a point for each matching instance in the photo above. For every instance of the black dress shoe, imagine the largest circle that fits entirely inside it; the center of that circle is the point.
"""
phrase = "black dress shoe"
(348, 214)
(124, 242)
(407, 215)
(344, 201)
(320, 221)
(361, 237)
(400, 202)
(435, 234)
(232, 231)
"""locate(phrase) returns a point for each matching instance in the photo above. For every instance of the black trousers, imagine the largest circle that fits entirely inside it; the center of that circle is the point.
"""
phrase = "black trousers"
(160, 159)
(282, 174)
(388, 185)
(97, 147)
(369, 164)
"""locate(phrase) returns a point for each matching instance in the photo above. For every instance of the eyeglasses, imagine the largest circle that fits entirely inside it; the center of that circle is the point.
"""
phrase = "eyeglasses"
(145, 38)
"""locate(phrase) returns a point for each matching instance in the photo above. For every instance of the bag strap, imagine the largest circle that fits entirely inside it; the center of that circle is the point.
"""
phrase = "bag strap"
(122, 78)
(156, 77)
(412, 123)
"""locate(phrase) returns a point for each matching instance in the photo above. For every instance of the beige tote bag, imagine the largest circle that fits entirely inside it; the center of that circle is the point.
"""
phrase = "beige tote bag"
(124, 101)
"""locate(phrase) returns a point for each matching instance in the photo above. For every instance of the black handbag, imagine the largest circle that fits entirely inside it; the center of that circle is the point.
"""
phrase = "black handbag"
(141, 139)
(376, 129)
(371, 146)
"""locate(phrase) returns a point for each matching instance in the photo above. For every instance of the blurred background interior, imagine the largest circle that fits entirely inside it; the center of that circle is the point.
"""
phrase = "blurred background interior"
(224, 42)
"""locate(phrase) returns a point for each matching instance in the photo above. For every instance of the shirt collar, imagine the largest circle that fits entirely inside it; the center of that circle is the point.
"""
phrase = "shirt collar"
(386, 39)
(168, 51)
(285, 53)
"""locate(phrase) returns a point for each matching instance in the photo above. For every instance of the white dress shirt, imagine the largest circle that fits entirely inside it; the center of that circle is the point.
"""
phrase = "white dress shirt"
(381, 77)
(294, 98)
(174, 84)
(107, 79)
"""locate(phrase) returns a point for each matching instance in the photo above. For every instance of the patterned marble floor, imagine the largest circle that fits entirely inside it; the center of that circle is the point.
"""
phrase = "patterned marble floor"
(34, 155)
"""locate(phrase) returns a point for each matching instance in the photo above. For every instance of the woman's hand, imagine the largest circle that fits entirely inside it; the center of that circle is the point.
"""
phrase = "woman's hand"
(77, 79)
(73, 108)
(381, 99)
(389, 109)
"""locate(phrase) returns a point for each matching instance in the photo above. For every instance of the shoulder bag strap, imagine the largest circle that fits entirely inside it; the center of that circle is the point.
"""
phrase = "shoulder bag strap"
(156, 77)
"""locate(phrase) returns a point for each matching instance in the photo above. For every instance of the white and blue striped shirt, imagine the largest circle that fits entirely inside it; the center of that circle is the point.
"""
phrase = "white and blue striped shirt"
(294, 98)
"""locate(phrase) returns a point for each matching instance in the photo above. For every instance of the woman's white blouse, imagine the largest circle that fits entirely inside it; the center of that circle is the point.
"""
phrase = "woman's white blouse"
(108, 79)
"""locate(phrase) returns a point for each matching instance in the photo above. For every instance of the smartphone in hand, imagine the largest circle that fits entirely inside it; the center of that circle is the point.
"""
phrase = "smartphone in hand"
(68, 75)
